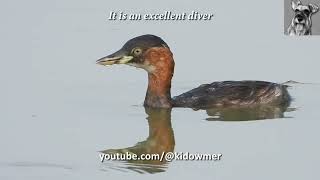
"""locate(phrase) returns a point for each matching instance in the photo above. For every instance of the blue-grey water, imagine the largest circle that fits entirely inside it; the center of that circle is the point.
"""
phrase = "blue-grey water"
(58, 108)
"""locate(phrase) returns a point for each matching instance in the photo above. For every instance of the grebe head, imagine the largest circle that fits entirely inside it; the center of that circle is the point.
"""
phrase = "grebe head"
(147, 52)
(152, 54)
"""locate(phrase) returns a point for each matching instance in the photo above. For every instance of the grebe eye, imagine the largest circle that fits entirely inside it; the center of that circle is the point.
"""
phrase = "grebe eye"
(137, 51)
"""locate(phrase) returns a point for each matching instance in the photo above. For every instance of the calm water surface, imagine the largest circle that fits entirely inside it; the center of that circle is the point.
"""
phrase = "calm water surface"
(63, 141)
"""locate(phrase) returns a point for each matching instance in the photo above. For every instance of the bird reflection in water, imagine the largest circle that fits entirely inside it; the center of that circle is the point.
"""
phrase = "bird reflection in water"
(161, 137)
(248, 114)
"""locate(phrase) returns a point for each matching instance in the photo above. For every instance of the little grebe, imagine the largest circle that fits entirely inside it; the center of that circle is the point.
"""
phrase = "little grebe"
(152, 54)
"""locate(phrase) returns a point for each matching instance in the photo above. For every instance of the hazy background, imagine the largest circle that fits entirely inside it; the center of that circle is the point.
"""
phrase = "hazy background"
(289, 14)
(58, 108)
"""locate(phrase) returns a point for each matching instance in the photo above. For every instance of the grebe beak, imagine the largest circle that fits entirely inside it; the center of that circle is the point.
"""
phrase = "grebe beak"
(118, 57)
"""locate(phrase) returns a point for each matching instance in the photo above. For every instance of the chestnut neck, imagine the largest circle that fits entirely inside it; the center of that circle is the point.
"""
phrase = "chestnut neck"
(159, 78)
